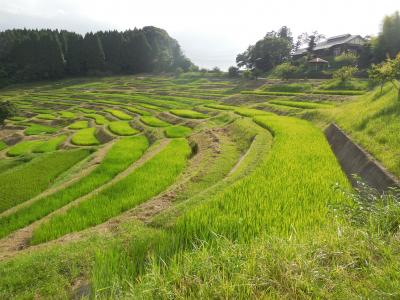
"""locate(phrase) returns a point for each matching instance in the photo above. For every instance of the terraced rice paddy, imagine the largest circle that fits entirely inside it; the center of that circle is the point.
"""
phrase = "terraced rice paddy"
(18, 185)
(85, 137)
(153, 121)
(186, 113)
(177, 131)
(99, 119)
(158, 187)
(79, 125)
(122, 128)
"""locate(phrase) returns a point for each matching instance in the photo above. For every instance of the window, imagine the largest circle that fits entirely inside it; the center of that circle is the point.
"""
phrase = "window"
(336, 51)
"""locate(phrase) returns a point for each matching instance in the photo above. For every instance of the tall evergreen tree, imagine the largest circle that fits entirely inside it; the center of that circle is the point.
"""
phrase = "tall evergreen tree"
(93, 55)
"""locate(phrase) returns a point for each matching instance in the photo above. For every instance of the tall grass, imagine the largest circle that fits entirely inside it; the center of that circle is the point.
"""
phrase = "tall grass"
(26, 181)
(124, 152)
(289, 193)
(372, 120)
(147, 181)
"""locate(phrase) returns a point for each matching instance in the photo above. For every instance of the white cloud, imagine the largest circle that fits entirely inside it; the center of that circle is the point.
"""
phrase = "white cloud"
(211, 32)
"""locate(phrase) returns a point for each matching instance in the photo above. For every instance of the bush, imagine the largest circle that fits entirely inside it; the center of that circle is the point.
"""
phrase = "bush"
(285, 71)
(345, 74)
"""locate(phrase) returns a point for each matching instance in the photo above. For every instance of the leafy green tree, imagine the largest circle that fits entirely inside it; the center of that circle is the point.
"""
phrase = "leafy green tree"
(73, 53)
(388, 71)
(7, 110)
(93, 54)
(233, 72)
(267, 53)
(388, 42)
(345, 74)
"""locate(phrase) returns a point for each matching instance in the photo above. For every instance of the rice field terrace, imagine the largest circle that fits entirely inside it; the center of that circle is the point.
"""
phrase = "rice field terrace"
(162, 187)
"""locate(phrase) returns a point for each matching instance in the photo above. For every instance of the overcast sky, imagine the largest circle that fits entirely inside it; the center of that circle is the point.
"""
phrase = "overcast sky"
(211, 32)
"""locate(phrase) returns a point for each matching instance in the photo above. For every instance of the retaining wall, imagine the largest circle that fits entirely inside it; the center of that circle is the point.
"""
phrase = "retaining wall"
(355, 160)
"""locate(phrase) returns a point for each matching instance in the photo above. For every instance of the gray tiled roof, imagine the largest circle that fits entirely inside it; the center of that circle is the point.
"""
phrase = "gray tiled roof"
(330, 42)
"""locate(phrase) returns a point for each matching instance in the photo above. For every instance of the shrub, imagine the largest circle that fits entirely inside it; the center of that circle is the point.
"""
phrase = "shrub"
(285, 71)
(345, 74)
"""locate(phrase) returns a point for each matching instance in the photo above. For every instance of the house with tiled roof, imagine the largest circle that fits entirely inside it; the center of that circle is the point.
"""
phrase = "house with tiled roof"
(335, 46)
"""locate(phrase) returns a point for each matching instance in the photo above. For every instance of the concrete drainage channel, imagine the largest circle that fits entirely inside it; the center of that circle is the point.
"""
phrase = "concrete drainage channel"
(355, 160)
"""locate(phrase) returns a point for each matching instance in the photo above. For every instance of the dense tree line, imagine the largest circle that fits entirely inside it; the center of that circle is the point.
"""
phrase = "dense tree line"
(27, 55)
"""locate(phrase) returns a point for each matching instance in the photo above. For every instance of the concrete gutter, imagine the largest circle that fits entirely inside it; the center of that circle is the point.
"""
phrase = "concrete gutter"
(355, 160)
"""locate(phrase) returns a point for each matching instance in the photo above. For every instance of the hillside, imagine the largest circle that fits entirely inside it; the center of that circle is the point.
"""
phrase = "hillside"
(194, 186)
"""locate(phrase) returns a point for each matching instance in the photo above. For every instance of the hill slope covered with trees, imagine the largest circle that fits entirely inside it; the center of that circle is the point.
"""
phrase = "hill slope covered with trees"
(27, 55)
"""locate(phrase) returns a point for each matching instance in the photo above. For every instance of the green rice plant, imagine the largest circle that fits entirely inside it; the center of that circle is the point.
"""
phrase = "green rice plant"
(24, 147)
(119, 114)
(177, 131)
(122, 128)
(150, 106)
(123, 153)
(221, 106)
(339, 92)
(272, 93)
(85, 137)
(8, 164)
(28, 180)
(187, 113)
(99, 119)
(153, 121)
(46, 117)
(145, 182)
(79, 125)
(3, 145)
(336, 84)
(137, 111)
(291, 88)
(50, 145)
(43, 111)
(250, 112)
(35, 129)
(67, 114)
(287, 194)
(301, 104)
(17, 118)
(86, 110)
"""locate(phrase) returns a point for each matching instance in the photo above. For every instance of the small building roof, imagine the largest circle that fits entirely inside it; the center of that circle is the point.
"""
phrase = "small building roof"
(330, 42)
(318, 61)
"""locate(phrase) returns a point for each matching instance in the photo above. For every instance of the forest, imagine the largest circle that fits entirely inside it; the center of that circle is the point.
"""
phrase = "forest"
(29, 55)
